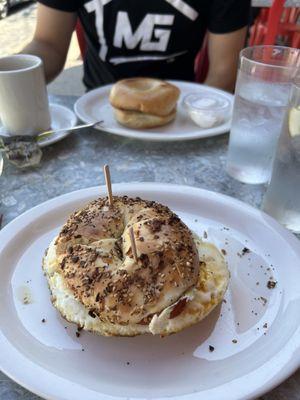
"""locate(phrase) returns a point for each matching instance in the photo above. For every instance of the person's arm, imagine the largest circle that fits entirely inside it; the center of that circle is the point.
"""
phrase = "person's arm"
(52, 38)
(223, 54)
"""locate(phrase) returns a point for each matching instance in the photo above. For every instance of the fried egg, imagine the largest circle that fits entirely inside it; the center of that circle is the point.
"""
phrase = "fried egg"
(193, 306)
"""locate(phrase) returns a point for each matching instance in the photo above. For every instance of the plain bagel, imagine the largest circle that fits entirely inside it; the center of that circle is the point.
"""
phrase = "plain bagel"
(146, 95)
(96, 283)
(139, 120)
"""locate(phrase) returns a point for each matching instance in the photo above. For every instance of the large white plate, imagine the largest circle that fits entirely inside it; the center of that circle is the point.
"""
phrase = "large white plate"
(48, 359)
(61, 117)
(94, 106)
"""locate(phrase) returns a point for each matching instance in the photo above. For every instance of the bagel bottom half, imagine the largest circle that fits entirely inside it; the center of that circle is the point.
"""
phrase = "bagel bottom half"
(139, 120)
(191, 308)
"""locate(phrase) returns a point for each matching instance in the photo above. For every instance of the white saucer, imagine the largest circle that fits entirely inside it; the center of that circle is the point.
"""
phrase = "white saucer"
(94, 106)
(61, 117)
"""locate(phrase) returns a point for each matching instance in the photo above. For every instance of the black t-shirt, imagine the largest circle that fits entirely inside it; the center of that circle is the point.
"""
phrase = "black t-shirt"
(158, 38)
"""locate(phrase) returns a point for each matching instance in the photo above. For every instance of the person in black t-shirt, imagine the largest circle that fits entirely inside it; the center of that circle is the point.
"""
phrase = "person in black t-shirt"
(158, 38)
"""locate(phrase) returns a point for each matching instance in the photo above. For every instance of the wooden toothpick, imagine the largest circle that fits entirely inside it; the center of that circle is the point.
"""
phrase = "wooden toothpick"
(133, 245)
(108, 184)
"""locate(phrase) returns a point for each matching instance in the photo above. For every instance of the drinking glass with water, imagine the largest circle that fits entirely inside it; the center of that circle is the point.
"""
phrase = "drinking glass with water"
(282, 199)
(261, 97)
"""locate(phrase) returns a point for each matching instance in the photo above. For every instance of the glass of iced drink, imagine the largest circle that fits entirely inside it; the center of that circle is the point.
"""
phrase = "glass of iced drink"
(261, 97)
(282, 199)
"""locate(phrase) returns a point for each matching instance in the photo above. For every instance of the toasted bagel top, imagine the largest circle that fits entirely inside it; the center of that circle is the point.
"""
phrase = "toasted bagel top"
(96, 260)
(146, 95)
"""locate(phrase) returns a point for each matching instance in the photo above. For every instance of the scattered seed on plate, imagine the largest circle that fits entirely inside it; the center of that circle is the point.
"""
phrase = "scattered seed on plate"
(245, 250)
(264, 300)
(271, 284)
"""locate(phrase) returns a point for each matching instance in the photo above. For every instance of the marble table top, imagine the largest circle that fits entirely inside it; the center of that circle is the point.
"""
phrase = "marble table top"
(76, 162)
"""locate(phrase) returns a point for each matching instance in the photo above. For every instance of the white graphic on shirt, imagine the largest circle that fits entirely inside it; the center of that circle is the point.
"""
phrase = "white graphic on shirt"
(144, 33)
(96, 6)
(122, 60)
(150, 37)
(184, 8)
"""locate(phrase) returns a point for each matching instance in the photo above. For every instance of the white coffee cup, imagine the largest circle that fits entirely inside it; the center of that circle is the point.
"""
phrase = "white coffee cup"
(24, 108)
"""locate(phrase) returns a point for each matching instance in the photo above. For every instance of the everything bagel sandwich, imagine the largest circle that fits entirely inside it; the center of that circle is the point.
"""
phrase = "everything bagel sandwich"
(96, 282)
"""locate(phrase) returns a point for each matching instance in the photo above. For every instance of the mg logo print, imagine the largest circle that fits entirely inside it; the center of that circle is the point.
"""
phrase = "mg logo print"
(147, 36)
(150, 35)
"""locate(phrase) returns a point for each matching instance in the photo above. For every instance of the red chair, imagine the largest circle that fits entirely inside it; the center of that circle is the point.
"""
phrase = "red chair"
(258, 29)
(289, 28)
(201, 61)
(80, 38)
(276, 23)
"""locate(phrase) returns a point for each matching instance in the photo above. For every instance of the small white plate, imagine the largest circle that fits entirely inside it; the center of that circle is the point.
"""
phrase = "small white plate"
(47, 358)
(94, 106)
(61, 117)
